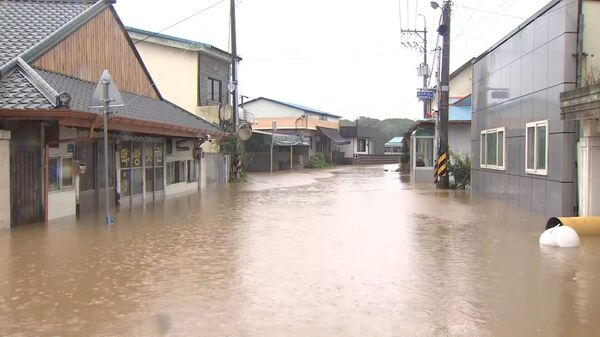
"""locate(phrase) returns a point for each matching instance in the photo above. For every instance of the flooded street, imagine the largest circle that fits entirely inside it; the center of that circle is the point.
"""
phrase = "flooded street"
(354, 252)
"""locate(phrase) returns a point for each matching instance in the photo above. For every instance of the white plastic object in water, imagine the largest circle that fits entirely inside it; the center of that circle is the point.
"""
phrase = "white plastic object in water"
(548, 238)
(566, 237)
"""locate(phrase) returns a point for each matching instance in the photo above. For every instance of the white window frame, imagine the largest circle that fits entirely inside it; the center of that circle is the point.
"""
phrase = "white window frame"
(535, 170)
(366, 145)
(414, 153)
(61, 186)
(483, 149)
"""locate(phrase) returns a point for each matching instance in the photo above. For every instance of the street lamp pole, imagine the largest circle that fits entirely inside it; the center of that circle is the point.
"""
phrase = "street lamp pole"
(106, 99)
(444, 30)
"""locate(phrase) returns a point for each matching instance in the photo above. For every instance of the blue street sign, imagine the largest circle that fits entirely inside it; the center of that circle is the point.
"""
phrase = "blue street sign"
(425, 94)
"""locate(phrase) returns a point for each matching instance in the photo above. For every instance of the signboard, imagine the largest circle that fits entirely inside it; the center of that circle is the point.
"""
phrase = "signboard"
(425, 94)
(114, 96)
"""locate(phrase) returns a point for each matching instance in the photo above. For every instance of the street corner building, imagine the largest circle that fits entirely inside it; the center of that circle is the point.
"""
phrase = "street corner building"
(535, 135)
(51, 154)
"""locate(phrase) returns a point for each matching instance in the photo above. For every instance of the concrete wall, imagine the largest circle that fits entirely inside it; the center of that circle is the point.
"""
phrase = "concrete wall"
(459, 138)
(461, 84)
(589, 164)
(590, 64)
(5, 179)
(532, 67)
(174, 71)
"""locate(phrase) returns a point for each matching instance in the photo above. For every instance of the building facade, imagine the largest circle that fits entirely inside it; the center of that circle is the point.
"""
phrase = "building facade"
(192, 74)
(52, 157)
(523, 151)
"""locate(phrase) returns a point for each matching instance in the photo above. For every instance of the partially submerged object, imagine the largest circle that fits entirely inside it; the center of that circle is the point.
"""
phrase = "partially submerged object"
(583, 225)
(560, 236)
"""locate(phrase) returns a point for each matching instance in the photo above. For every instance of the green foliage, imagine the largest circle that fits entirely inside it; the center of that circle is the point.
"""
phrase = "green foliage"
(391, 127)
(459, 167)
(227, 144)
(318, 161)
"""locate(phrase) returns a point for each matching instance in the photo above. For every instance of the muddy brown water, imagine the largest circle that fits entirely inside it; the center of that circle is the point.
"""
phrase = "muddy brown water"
(356, 253)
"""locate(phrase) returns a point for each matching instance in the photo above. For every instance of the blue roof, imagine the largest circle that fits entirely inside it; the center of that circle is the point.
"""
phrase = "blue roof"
(461, 111)
(296, 106)
(394, 142)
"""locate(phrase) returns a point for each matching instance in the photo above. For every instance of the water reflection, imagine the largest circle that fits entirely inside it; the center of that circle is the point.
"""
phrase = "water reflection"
(357, 252)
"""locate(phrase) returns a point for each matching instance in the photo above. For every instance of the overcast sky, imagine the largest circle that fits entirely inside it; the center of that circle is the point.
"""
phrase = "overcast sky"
(343, 57)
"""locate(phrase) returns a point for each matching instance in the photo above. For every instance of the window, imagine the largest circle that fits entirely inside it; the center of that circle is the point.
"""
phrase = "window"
(60, 173)
(141, 165)
(492, 149)
(424, 152)
(536, 148)
(361, 145)
(322, 117)
(192, 175)
(176, 172)
(214, 90)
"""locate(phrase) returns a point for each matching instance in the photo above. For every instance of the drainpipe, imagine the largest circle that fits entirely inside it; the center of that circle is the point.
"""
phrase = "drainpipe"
(579, 53)
(578, 76)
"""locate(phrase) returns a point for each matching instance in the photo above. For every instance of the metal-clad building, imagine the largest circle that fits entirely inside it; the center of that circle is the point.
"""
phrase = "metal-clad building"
(523, 153)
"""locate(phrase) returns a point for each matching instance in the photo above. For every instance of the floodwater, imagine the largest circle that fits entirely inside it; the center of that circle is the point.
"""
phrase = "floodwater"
(355, 252)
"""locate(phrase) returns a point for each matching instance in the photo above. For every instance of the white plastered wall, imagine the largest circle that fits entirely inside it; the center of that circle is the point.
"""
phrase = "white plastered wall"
(62, 203)
(182, 187)
(5, 215)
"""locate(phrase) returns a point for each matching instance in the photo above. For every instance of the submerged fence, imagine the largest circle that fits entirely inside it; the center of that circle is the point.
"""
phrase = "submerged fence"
(375, 159)
(217, 168)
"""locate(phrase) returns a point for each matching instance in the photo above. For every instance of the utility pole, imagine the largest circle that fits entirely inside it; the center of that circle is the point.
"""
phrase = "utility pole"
(234, 91)
(444, 30)
(422, 47)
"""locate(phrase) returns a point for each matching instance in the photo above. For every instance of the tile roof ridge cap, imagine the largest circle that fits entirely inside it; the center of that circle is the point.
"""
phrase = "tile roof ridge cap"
(38, 82)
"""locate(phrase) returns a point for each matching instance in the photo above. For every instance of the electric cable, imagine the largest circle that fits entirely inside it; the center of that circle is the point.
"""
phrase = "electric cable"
(181, 21)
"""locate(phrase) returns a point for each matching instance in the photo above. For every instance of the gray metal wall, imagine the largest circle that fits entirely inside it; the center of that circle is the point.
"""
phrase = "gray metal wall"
(534, 65)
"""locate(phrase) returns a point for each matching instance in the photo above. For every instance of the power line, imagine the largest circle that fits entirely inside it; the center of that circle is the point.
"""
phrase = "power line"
(180, 21)
(163, 74)
(468, 21)
(491, 12)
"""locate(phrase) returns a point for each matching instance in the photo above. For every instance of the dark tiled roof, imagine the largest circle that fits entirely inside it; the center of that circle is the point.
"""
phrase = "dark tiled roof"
(24, 23)
(136, 107)
(16, 92)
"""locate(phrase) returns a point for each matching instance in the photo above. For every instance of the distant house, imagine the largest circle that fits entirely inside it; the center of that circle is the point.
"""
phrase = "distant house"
(52, 56)
(317, 129)
(393, 146)
(366, 146)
